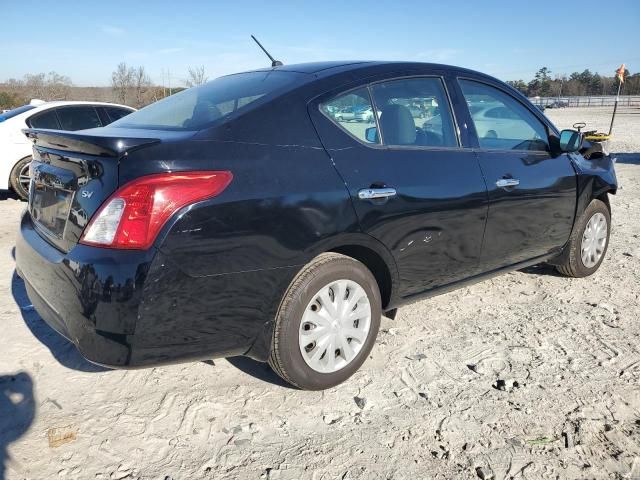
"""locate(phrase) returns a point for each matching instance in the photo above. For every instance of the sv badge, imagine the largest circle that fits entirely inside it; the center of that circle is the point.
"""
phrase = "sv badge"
(86, 194)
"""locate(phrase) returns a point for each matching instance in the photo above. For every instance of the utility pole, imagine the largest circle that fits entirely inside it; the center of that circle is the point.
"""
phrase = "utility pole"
(620, 76)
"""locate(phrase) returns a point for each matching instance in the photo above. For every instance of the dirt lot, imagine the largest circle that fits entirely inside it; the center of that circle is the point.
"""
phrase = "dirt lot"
(530, 375)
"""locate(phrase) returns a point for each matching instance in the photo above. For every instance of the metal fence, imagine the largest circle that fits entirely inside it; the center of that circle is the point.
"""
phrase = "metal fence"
(591, 101)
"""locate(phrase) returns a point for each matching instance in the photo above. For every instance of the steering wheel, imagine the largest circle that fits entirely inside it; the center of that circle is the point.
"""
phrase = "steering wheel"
(579, 125)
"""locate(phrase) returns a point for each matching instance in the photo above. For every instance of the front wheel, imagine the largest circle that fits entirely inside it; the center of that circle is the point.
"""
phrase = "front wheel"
(19, 178)
(327, 323)
(589, 241)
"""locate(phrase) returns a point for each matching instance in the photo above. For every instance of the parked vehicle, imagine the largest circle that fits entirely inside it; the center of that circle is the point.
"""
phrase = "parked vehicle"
(558, 104)
(15, 148)
(345, 114)
(364, 115)
(241, 218)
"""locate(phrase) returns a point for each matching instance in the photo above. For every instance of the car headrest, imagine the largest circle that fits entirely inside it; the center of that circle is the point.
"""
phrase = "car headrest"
(204, 112)
(398, 127)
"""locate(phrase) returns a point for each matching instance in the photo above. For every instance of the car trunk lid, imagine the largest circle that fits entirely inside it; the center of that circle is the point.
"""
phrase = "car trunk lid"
(72, 174)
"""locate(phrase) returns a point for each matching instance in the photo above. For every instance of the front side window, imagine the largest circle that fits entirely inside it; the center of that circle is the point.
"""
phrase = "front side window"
(354, 113)
(414, 112)
(198, 107)
(78, 118)
(501, 121)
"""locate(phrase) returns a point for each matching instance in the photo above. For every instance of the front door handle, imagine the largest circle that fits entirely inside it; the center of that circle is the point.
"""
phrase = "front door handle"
(373, 193)
(507, 182)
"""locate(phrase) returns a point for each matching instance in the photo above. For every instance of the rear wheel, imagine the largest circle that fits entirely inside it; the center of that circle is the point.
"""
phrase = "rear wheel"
(327, 323)
(19, 178)
(589, 241)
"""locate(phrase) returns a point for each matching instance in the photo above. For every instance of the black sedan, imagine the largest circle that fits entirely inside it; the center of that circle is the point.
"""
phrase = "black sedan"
(242, 217)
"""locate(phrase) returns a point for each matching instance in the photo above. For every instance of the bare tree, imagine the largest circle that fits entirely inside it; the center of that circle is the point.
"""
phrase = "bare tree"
(122, 82)
(196, 77)
(35, 85)
(141, 84)
(52, 86)
(57, 87)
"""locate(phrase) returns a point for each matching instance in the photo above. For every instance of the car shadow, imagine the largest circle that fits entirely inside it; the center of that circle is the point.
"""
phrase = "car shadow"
(261, 371)
(17, 411)
(541, 269)
(62, 349)
(8, 194)
(630, 158)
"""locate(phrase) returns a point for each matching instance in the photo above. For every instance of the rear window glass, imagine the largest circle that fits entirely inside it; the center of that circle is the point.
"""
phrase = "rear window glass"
(116, 113)
(199, 107)
(46, 119)
(78, 118)
(16, 111)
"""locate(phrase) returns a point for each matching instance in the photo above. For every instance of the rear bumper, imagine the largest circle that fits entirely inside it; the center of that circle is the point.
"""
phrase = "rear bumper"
(129, 309)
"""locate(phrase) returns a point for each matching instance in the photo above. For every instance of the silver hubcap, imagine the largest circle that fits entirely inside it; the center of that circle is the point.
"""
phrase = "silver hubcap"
(23, 177)
(594, 239)
(335, 326)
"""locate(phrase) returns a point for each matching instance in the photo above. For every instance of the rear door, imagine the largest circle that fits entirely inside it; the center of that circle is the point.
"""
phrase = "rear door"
(532, 192)
(413, 185)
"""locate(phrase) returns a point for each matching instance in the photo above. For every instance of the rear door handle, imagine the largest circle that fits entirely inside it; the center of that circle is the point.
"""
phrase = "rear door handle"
(373, 193)
(507, 182)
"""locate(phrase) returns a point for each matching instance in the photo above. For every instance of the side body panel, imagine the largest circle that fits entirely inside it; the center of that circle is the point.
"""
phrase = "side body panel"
(434, 226)
(534, 218)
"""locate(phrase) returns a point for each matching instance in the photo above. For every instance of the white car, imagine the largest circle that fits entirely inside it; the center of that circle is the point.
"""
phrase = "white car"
(15, 148)
(493, 121)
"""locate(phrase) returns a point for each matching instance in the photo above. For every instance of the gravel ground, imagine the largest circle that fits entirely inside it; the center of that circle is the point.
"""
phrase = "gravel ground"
(529, 375)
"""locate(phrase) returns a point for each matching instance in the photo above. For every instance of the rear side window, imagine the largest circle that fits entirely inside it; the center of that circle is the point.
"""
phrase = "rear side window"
(414, 112)
(115, 113)
(353, 112)
(501, 121)
(78, 118)
(199, 107)
(47, 119)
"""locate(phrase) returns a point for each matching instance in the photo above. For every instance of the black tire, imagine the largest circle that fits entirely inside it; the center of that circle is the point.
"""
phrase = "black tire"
(573, 265)
(14, 178)
(286, 359)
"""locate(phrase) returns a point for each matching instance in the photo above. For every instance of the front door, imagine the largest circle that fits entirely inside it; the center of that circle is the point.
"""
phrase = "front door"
(532, 193)
(412, 184)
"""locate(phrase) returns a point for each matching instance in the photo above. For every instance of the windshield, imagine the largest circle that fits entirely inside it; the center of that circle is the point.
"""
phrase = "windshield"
(16, 111)
(198, 107)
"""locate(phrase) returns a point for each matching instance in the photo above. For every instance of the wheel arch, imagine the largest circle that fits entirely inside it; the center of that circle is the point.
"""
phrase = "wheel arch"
(376, 265)
(359, 246)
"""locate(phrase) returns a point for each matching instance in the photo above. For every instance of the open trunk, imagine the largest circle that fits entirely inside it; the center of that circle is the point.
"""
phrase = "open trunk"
(72, 174)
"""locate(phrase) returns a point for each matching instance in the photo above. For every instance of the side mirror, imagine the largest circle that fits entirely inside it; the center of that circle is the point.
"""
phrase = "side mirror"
(371, 134)
(570, 141)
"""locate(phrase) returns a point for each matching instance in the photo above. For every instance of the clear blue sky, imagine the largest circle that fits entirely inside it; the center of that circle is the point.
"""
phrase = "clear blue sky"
(509, 39)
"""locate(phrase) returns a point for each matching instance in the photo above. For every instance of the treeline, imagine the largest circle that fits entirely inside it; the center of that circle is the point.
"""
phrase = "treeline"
(129, 86)
(133, 86)
(576, 84)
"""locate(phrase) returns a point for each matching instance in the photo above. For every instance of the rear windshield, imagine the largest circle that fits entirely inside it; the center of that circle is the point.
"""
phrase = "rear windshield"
(16, 111)
(199, 107)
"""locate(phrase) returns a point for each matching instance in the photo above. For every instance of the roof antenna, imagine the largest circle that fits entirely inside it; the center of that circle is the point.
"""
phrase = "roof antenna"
(274, 62)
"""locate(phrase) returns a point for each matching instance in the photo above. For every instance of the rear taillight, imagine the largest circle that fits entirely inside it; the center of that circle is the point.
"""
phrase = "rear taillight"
(132, 217)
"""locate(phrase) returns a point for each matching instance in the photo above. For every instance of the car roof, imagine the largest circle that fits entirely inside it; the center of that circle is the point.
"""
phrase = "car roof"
(334, 67)
(61, 103)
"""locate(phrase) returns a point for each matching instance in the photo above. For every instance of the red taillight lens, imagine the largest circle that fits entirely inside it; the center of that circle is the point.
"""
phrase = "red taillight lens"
(132, 217)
